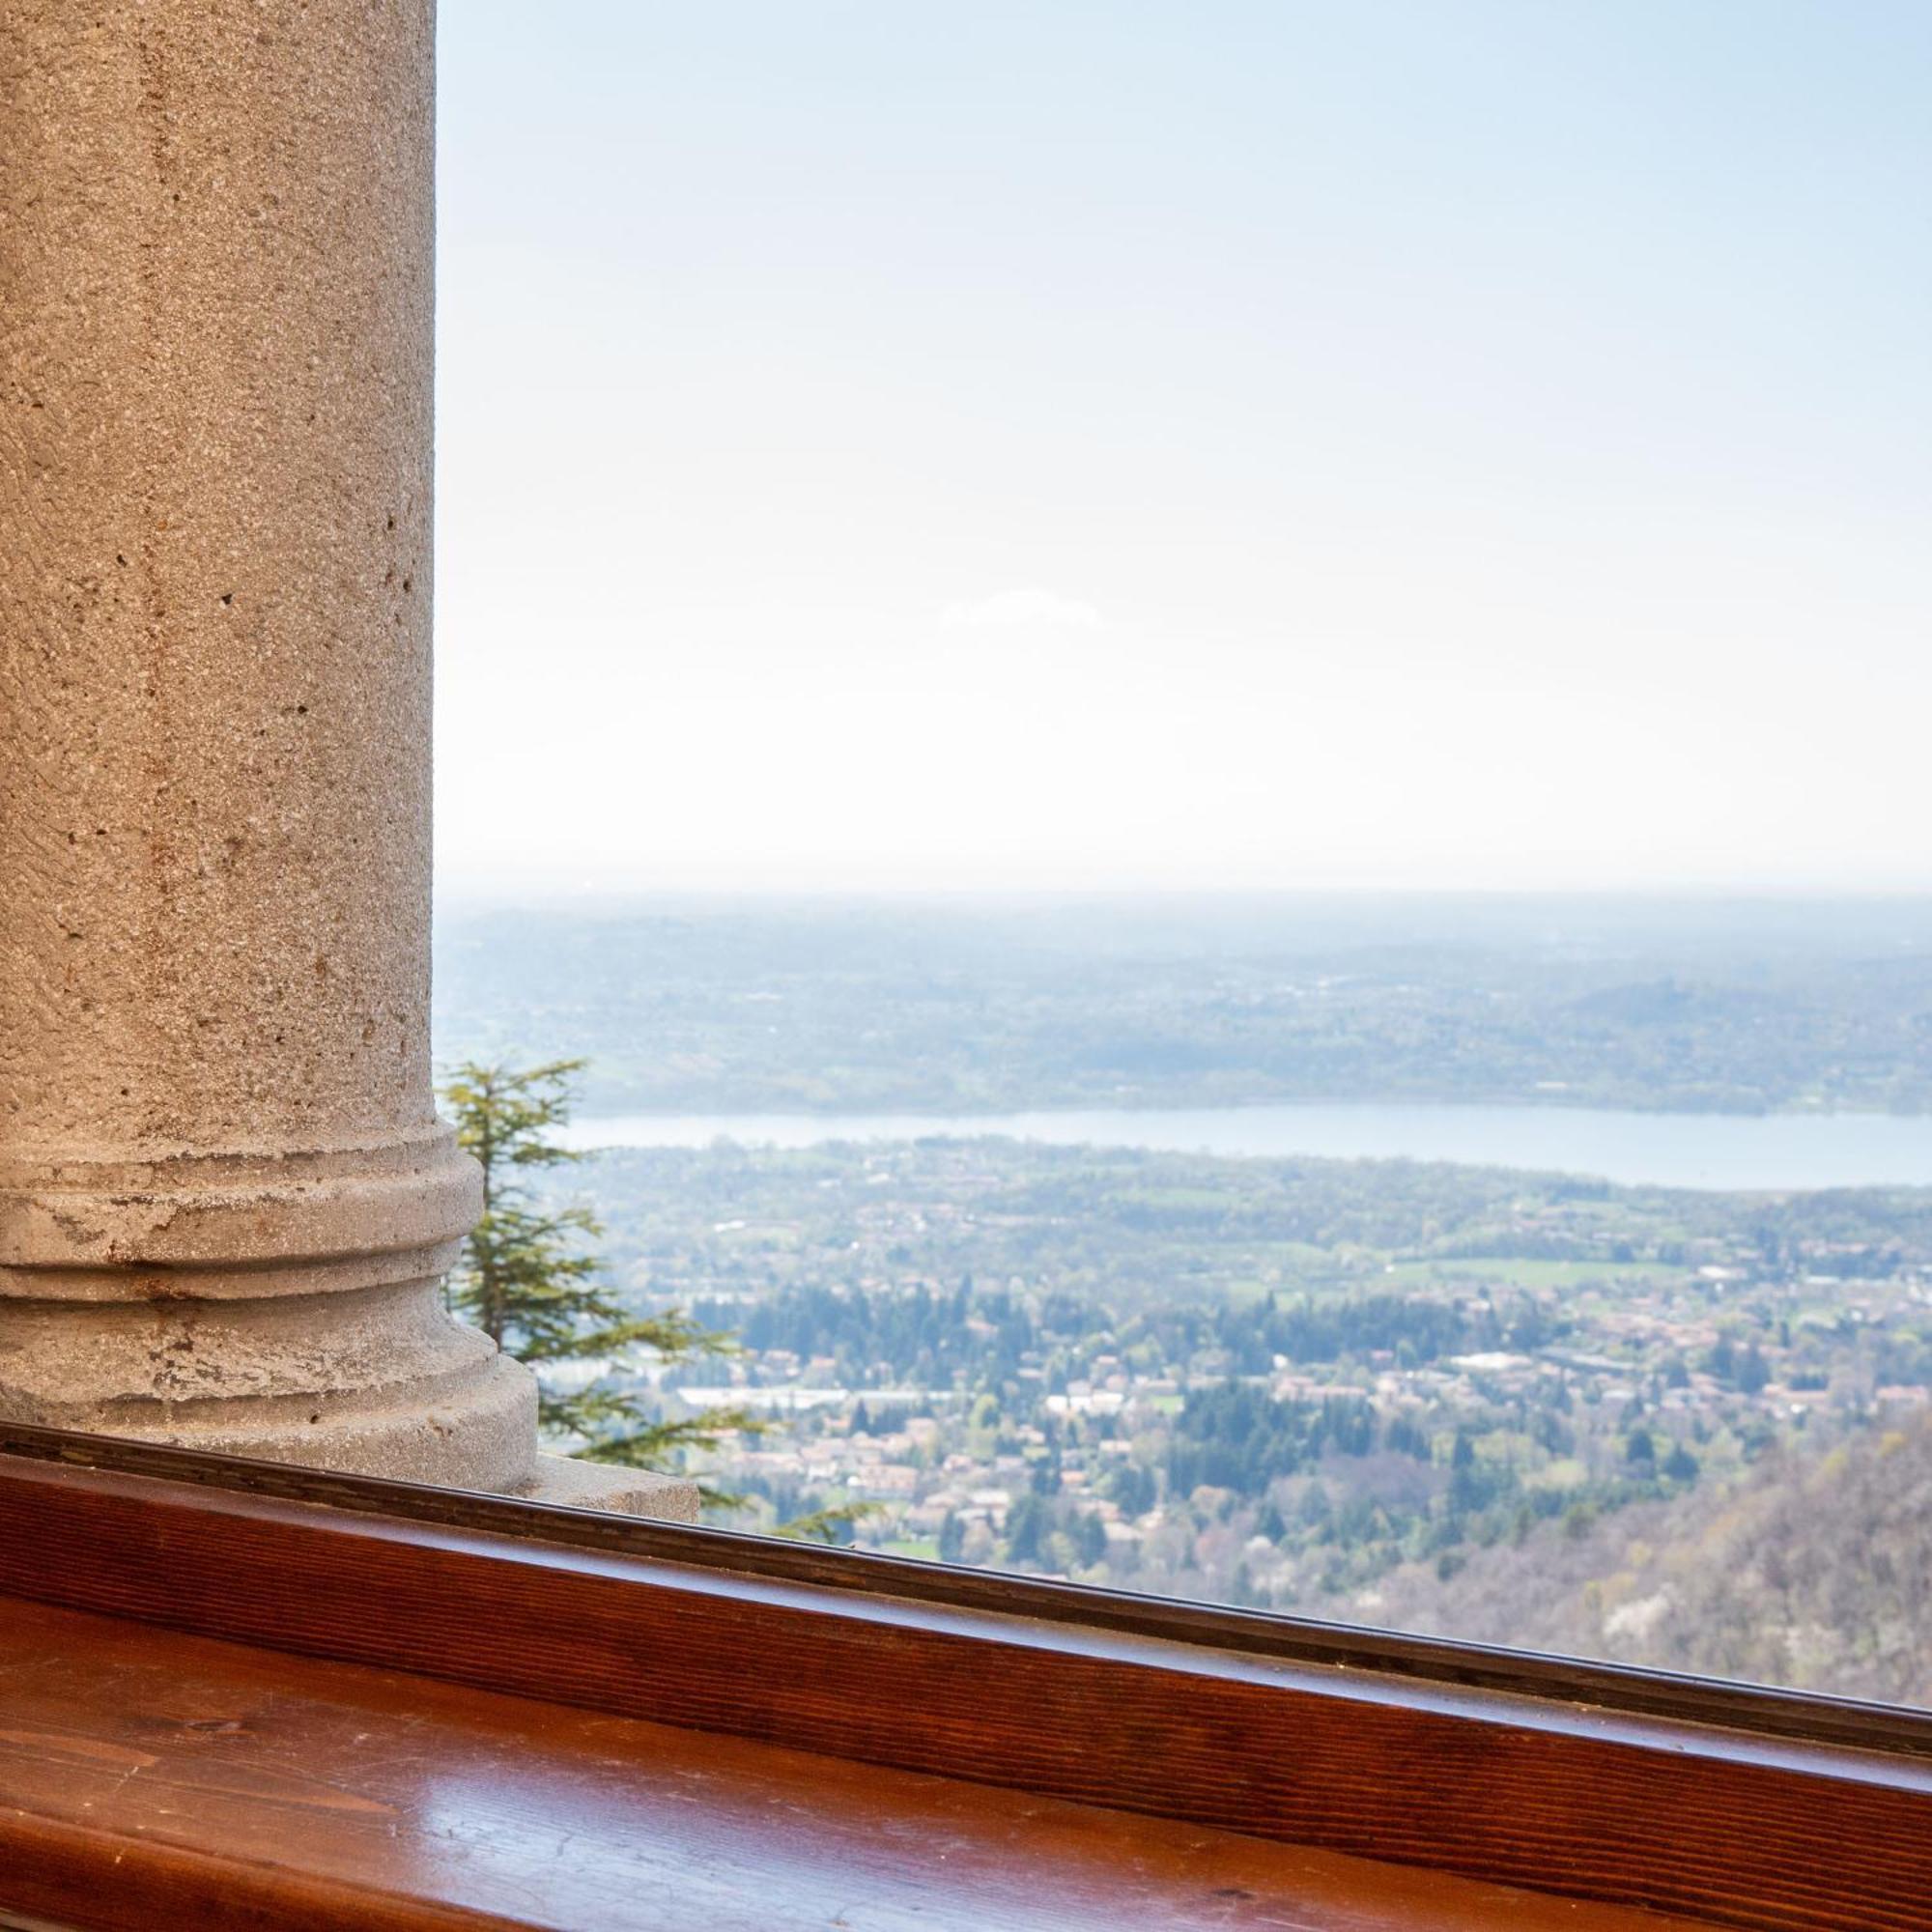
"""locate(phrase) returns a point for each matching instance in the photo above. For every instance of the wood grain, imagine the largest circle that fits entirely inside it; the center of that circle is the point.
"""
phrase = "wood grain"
(150, 1779)
(1401, 1658)
(1743, 1829)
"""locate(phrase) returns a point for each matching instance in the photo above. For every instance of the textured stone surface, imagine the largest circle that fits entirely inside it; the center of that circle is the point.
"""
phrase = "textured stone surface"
(226, 1201)
(600, 1487)
(215, 247)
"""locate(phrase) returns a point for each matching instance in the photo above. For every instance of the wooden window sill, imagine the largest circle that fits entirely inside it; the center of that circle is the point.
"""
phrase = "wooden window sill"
(233, 1695)
(149, 1778)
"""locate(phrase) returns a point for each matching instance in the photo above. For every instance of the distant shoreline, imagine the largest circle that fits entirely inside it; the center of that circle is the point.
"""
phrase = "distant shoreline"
(1717, 1152)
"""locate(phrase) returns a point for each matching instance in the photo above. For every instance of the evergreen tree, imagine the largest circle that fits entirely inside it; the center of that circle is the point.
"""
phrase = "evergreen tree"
(1090, 1538)
(952, 1538)
(1027, 1524)
(530, 1282)
(835, 1525)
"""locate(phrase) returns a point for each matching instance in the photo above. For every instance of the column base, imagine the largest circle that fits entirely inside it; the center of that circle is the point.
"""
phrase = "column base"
(193, 1379)
(286, 1307)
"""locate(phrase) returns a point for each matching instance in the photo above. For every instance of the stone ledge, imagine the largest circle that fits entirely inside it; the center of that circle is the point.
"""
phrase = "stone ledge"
(604, 1486)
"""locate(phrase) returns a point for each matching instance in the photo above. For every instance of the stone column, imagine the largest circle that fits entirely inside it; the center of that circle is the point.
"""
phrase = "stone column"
(225, 1199)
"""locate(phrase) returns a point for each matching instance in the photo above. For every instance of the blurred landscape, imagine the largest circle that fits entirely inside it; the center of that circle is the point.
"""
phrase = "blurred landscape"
(983, 1006)
(1677, 1426)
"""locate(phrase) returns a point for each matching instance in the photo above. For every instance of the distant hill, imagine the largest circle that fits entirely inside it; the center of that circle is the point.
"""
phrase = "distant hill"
(746, 1005)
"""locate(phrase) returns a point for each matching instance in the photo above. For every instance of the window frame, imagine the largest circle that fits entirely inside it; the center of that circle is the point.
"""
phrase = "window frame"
(1736, 1803)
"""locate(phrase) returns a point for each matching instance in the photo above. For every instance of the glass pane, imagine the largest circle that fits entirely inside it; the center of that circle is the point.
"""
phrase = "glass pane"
(1209, 719)
(1625, 1370)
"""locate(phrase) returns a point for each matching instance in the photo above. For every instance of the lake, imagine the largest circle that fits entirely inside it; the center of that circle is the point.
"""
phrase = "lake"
(1714, 1151)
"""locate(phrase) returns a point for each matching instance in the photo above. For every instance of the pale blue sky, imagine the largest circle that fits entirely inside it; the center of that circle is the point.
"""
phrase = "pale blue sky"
(1367, 442)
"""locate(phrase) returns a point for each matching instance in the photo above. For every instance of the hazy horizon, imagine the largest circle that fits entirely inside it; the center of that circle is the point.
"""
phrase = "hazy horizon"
(1239, 446)
(508, 890)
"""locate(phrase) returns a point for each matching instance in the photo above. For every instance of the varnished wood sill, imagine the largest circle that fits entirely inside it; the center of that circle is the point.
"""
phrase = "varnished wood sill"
(154, 1780)
(1017, 1723)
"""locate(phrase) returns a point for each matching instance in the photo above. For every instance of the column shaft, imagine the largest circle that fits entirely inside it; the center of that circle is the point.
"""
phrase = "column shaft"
(225, 1200)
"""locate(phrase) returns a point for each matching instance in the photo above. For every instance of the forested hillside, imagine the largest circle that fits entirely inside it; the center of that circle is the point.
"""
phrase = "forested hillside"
(1810, 1571)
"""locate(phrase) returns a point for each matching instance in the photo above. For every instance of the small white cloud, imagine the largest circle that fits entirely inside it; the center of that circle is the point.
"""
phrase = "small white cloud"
(1011, 608)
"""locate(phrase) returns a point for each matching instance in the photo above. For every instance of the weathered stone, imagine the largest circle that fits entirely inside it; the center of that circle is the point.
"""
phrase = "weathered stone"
(225, 1200)
(599, 1486)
